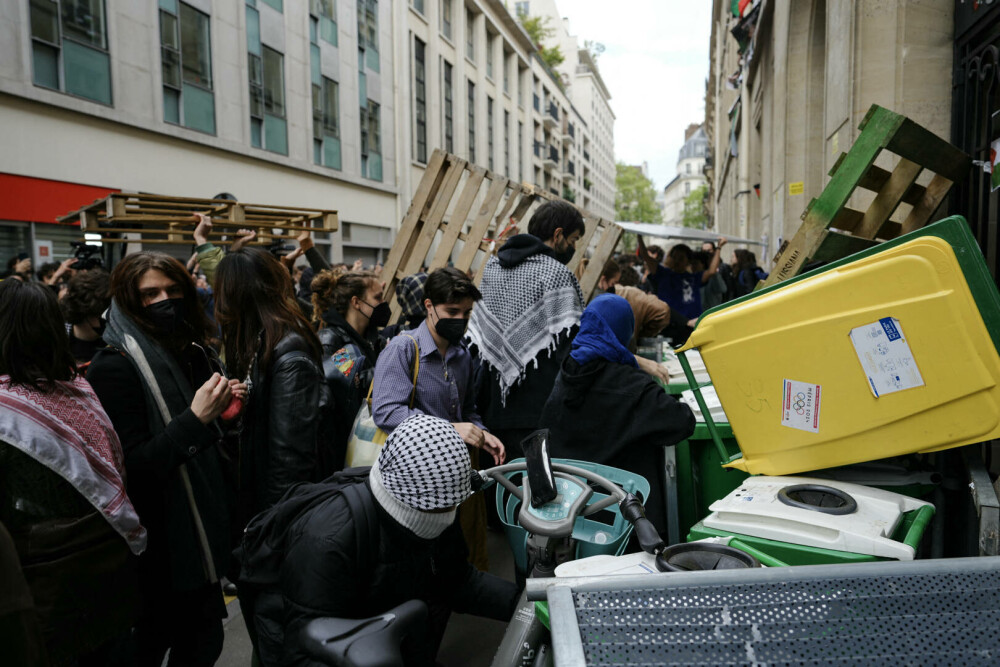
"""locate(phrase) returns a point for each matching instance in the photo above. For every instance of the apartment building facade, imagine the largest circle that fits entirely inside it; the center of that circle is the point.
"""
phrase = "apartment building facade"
(326, 104)
(274, 102)
(476, 87)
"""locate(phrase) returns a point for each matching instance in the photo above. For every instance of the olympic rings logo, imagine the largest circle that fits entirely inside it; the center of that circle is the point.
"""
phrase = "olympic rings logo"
(799, 403)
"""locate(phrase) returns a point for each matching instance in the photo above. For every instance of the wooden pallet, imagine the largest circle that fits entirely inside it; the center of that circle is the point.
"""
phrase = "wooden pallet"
(460, 203)
(832, 231)
(158, 219)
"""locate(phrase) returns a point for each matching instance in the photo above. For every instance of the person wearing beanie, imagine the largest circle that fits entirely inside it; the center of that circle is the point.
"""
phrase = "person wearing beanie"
(417, 552)
(604, 409)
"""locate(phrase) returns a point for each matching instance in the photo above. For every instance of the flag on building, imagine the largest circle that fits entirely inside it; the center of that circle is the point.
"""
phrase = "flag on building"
(995, 175)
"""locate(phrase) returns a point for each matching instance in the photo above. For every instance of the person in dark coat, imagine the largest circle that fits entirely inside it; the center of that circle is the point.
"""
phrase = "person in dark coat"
(164, 391)
(522, 328)
(349, 308)
(605, 410)
(418, 553)
(273, 348)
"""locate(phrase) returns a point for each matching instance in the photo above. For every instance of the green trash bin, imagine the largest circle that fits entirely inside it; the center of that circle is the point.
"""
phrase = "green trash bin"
(812, 521)
(701, 479)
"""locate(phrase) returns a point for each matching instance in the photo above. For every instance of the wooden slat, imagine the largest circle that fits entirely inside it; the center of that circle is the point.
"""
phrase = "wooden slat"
(426, 192)
(422, 244)
(876, 178)
(920, 145)
(935, 193)
(460, 213)
(834, 246)
(610, 234)
(481, 224)
(888, 198)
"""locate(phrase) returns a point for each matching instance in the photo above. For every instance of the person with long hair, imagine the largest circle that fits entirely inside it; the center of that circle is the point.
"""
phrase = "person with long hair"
(349, 308)
(164, 390)
(270, 344)
(62, 487)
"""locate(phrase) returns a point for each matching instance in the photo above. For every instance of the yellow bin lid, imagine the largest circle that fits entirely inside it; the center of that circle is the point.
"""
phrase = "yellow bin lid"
(882, 356)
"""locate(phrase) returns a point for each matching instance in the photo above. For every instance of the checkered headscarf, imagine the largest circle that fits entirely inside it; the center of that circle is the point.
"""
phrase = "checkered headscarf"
(410, 295)
(425, 464)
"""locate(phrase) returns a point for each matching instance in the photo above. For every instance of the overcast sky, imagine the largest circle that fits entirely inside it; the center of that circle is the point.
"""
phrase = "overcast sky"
(655, 64)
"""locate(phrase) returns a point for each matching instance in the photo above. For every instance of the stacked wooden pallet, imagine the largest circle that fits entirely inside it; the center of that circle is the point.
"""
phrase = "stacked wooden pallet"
(461, 208)
(157, 219)
(831, 230)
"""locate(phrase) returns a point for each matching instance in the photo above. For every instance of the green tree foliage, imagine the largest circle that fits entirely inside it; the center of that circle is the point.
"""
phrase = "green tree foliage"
(694, 214)
(635, 196)
(635, 201)
(538, 30)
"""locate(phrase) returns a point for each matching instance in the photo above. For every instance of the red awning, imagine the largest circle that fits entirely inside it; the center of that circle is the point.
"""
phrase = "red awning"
(30, 199)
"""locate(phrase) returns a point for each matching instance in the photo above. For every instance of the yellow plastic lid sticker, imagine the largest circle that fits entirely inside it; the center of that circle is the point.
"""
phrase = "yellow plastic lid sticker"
(885, 357)
(800, 402)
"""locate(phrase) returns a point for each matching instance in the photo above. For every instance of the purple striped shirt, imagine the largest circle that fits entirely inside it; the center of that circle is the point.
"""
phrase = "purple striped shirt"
(444, 385)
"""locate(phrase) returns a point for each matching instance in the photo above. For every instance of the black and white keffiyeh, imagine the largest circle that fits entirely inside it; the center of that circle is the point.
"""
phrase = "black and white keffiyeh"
(425, 464)
(524, 310)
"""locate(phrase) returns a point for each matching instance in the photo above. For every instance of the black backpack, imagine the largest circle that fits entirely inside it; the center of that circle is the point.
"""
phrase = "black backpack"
(263, 547)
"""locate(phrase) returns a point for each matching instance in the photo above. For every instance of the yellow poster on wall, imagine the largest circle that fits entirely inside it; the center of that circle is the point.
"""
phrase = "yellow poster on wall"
(796, 188)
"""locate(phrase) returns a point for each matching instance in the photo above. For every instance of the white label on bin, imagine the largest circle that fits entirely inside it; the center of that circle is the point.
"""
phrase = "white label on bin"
(885, 357)
(800, 405)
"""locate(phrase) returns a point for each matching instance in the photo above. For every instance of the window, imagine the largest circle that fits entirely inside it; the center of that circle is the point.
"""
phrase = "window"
(186, 61)
(420, 99)
(506, 142)
(418, 5)
(446, 18)
(276, 4)
(489, 130)
(470, 35)
(506, 74)
(267, 93)
(371, 142)
(489, 55)
(520, 142)
(520, 87)
(69, 48)
(449, 138)
(368, 32)
(687, 168)
(521, 8)
(687, 188)
(325, 12)
(472, 122)
(326, 123)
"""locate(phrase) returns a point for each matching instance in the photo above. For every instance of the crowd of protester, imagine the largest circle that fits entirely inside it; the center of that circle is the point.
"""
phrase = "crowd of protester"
(158, 419)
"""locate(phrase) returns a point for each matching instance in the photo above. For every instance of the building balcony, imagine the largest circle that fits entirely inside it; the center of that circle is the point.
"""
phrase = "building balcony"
(586, 156)
(551, 119)
(569, 171)
(551, 158)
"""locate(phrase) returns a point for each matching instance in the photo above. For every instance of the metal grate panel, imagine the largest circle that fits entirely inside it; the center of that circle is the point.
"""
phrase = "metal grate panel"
(933, 618)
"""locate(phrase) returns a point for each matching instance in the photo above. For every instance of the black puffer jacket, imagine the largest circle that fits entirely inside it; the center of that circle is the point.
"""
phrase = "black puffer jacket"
(617, 415)
(280, 426)
(321, 576)
(346, 393)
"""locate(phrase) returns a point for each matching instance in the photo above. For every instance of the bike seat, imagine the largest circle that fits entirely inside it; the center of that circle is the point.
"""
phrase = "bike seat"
(363, 642)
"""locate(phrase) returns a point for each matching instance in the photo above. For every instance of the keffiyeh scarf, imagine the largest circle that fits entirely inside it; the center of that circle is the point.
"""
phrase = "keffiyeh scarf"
(67, 431)
(524, 310)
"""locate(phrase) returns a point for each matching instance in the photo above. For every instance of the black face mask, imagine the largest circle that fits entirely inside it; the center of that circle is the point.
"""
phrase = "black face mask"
(380, 314)
(167, 316)
(452, 329)
(565, 256)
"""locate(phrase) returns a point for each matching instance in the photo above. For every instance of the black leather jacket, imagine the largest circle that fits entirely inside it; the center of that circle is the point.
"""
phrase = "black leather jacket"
(279, 435)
